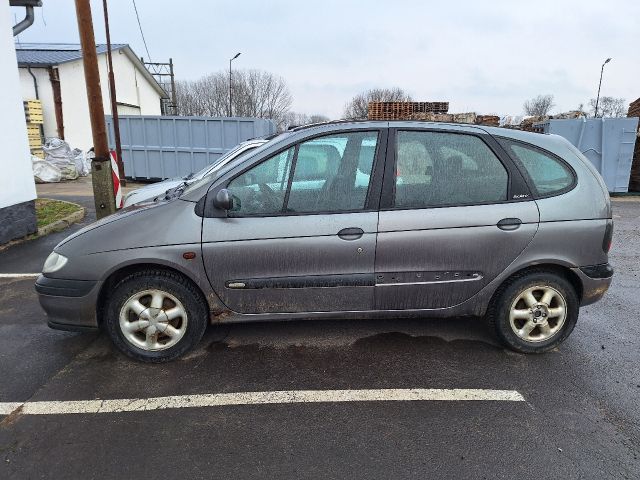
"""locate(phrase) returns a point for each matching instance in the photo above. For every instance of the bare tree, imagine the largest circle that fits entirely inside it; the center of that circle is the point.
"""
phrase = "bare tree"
(255, 93)
(357, 107)
(318, 118)
(539, 106)
(608, 107)
(295, 119)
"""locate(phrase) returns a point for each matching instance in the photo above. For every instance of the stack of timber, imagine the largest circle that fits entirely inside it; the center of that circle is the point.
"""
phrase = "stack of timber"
(34, 118)
(403, 110)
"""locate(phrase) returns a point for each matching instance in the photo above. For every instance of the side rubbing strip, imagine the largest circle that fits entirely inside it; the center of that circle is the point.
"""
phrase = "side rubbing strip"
(308, 281)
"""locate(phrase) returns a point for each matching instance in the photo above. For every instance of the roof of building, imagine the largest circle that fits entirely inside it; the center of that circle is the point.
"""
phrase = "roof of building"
(39, 55)
(50, 54)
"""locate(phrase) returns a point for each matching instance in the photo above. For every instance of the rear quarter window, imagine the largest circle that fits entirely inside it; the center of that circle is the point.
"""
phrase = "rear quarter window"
(549, 175)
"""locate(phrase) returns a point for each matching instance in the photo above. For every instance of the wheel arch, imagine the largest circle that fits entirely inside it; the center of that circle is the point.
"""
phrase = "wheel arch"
(557, 268)
(123, 271)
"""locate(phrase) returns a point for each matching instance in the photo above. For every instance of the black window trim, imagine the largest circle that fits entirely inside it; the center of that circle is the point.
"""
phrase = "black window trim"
(524, 172)
(517, 188)
(371, 201)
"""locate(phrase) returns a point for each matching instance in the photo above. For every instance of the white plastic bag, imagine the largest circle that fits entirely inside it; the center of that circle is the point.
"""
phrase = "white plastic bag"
(83, 164)
(45, 172)
(58, 153)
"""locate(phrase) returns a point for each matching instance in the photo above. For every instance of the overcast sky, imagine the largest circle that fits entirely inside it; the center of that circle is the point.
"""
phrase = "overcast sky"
(484, 56)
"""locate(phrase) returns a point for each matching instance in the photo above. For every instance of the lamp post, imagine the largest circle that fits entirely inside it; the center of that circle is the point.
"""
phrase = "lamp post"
(599, 85)
(231, 60)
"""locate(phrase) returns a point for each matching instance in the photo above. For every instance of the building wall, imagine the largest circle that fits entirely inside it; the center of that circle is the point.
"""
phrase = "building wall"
(45, 93)
(17, 188)
(132, 88)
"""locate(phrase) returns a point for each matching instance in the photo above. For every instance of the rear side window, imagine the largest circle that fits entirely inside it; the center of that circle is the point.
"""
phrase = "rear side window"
(549, 174)
(435, 169)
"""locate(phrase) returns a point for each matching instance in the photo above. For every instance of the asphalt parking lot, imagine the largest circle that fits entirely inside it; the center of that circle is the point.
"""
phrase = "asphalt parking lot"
(579, 416)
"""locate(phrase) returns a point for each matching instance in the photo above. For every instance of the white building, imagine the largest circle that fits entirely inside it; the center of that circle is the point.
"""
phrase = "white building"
(54, 74)
(17, 188)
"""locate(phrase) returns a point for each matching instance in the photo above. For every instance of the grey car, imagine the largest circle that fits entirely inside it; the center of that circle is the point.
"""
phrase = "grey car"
(353, 220)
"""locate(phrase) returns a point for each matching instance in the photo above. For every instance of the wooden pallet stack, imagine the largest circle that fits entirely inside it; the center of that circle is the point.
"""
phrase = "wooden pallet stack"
(403, 110)
(488, 120)
(35, 119)
(634, 179)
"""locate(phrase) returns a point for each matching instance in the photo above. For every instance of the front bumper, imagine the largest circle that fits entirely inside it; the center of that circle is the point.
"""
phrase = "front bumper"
(69, 304)
(595, 281)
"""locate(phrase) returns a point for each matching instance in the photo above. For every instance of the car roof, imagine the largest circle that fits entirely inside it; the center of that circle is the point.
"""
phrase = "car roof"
(540, 139)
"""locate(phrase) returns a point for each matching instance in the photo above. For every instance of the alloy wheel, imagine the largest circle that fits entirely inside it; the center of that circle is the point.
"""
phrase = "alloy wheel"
(153, 320)
(538, 313)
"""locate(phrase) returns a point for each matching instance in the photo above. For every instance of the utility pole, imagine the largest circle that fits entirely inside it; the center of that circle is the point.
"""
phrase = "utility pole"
(230, 105)
(114, 100)
(103, 193)
(174, 98)
(595, 114)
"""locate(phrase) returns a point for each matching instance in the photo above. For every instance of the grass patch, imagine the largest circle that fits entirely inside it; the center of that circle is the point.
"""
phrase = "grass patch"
(49, 211)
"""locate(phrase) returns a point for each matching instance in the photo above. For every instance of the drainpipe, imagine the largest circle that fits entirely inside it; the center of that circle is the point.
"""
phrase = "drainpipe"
(35, 82)
(28, 19)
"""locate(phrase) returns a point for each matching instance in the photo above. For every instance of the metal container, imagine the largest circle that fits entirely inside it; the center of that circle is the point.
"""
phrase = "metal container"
(159, 147)
(607, 142)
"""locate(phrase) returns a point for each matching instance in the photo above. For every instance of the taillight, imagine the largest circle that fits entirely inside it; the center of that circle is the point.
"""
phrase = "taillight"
(608, 236)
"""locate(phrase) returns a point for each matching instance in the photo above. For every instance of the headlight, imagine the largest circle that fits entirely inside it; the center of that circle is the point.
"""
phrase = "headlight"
(54, 262)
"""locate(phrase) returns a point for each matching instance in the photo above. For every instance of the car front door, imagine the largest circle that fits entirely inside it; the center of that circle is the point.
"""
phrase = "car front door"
(302, 233)
(455, 213)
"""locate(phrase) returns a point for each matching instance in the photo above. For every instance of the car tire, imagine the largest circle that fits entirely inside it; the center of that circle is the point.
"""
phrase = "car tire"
(534, 312)
(155, 316)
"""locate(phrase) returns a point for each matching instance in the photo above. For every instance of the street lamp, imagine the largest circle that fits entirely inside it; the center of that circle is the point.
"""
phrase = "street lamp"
(599, 85)
(231, 60)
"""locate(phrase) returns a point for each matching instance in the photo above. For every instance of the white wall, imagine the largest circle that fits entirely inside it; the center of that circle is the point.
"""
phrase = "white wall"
(131, 88)
(45, 93)
(16, 176)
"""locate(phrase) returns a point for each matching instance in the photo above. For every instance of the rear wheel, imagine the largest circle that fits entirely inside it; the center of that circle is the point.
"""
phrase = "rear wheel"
(535, 312)
(155, 316)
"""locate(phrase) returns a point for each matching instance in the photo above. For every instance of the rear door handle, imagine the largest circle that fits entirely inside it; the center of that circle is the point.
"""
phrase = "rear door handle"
(509, 224)
(352, 233)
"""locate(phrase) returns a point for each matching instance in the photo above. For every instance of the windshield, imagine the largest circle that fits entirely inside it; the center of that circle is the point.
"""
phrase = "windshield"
(220, 161)
(223, 163)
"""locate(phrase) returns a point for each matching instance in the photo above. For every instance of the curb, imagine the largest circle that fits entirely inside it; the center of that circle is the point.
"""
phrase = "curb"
(63, 223)
(56, 226)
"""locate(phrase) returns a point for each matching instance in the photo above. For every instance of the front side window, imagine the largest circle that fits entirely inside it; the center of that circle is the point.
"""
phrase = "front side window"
(261, 190)
(325, 174)
(436, 168)
(332, 173)
(548, 174)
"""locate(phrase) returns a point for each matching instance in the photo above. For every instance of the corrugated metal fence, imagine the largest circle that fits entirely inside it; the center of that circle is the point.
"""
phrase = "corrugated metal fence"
(607, 142)
(155, 147)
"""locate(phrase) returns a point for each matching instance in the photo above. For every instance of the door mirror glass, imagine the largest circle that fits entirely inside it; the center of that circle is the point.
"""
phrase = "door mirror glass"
(223, 200)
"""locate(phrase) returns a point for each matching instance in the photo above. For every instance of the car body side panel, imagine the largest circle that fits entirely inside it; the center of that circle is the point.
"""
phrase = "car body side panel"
(453, 252)
(239, 249)
(173, 222)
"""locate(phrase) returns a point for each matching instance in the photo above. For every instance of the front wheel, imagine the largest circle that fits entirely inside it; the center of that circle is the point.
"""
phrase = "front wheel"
(535, 312)
(155, 316)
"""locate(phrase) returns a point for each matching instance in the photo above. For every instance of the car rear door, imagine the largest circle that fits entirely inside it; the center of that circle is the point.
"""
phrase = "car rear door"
(455, 212)
(302, 235)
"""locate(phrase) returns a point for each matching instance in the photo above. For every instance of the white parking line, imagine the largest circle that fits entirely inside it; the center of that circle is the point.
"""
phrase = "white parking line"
(259, 398)
(19, 275)
(8, 407)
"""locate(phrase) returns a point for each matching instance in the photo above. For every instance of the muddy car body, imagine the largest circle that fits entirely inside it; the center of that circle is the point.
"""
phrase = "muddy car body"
(350, 220)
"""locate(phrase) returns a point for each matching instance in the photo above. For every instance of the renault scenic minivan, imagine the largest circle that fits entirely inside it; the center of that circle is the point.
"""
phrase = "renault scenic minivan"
(349, 220)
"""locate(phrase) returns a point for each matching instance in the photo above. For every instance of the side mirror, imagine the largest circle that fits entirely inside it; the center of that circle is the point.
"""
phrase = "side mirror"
(223, 200)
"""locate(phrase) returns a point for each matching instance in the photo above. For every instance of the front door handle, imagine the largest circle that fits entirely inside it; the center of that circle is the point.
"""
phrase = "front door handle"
(509, 224)
(352, 233)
